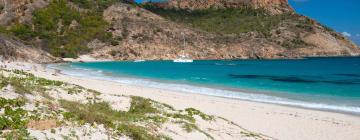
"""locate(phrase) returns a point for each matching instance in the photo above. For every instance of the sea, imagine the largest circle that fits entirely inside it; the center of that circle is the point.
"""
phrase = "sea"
(331, 83)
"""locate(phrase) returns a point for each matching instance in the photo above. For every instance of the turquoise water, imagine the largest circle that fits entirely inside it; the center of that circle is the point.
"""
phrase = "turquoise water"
(323, 83)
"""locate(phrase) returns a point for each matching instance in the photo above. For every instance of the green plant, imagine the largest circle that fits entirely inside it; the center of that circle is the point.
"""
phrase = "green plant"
(102, 113)
(54, 26)
(136, 132)
(23, 31)
(192, 111)
(14, 118)
(141, 106)
(74, 90)
(53, 131)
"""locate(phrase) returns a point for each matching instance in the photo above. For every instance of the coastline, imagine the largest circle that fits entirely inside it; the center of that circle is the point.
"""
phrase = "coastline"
(278, 121)
(258, 94)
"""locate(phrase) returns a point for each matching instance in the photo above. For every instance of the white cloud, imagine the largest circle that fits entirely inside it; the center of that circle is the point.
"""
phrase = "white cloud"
(346, 34)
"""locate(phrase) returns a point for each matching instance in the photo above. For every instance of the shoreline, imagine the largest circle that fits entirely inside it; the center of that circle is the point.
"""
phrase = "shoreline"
(219, 91)
(278, 121)
(90, 59)
(223, 97)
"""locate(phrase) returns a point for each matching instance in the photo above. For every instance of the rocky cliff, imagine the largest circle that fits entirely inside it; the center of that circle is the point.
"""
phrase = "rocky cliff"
(122, 31)
(19, 10)
(273, 6)
(145, 35)
(12, 49)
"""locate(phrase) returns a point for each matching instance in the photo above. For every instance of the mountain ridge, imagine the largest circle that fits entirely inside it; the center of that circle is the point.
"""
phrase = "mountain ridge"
(126, 31)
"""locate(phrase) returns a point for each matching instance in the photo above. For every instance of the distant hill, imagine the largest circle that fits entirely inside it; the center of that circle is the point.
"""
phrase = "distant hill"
(211, 29)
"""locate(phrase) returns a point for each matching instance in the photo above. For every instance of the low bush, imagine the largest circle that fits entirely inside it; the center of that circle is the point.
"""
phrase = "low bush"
(13, 119)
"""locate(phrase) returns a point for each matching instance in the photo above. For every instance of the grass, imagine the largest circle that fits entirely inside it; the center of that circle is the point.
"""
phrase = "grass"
(141, 105)
(141, 111)
(102, 112)
(98, 112)
(123, 122)
(136, 132)
(26, 83)
(191, 112)
(74, 90)
(250, 134)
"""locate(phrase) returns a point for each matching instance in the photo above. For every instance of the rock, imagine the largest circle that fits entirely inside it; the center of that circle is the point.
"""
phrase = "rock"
(273, 6)
(20, 10)
(145, 35)
(12, 49)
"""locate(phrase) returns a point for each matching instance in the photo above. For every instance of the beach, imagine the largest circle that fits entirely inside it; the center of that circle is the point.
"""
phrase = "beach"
(276, 121)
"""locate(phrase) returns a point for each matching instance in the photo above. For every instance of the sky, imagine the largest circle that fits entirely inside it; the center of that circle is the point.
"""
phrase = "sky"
(341, 15)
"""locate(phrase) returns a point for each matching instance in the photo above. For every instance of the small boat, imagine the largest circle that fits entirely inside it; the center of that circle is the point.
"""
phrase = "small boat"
(137, 61)
(183, 58)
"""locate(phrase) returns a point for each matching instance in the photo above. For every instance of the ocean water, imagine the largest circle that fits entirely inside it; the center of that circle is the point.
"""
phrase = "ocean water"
(319, 83)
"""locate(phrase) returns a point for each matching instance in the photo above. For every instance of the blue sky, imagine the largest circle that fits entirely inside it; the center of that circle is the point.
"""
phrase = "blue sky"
(341, 15)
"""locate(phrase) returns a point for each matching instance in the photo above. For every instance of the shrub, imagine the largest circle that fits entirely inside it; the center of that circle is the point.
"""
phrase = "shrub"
(228, 21)
(66, 40)
(23, 31)
(135, 132)
(13, 118)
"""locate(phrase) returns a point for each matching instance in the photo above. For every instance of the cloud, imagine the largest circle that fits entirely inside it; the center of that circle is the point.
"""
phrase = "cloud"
(346, 34)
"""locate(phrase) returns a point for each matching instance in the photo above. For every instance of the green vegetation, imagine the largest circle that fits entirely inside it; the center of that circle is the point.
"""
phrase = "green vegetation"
(74, 90)
(140, 122)
(227, 21)
(13, 119)
(67, 30)
(63, 30)
(294, 43)
(250, 134)
(98, 5)
(136, 132)
(191, 112)
(27, 83)
(141, 111)
(102, 113)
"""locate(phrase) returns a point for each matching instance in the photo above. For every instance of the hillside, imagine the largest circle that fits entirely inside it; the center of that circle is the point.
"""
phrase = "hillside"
(217, 29)
(272, 6)
(11, 49)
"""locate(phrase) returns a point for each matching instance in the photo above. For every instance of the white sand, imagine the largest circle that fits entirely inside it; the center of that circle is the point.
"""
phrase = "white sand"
(276, 121)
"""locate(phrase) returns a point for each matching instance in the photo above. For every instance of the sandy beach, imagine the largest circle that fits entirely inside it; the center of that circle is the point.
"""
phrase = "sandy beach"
(276, 121)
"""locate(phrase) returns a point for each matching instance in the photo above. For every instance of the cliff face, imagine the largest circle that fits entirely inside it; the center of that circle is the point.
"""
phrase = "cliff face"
(19, 10)
(139, 33)
(273, 6)
(12, 49)
(145, 35)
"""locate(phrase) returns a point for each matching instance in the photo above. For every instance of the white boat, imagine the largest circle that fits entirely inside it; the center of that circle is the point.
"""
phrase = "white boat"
(183, 61)
(183, 58)
(139, 61)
